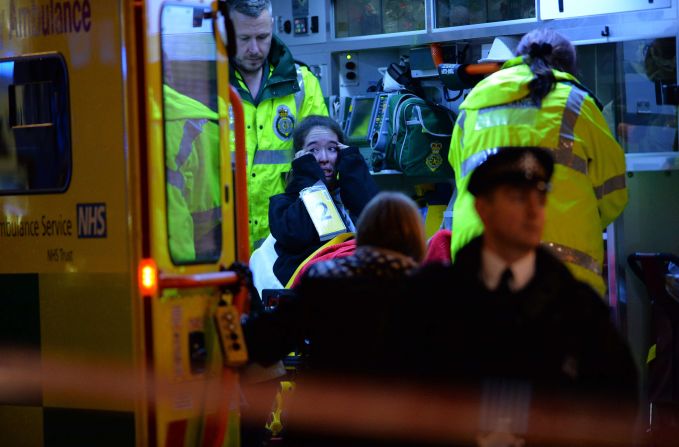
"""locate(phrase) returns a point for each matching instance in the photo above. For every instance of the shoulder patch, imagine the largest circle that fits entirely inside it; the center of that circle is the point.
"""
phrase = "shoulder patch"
(283, 123)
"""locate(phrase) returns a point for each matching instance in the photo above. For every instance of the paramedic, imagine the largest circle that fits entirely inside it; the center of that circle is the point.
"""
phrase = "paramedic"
(277, 93)
(535, 100)
(192, 169)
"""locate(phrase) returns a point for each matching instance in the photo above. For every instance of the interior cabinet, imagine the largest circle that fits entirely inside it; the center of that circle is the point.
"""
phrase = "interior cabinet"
(561, 9)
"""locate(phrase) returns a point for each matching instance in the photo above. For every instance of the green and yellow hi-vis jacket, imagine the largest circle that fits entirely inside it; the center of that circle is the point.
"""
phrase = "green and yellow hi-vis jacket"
(193, 184)
(588, 186)
(290, 93)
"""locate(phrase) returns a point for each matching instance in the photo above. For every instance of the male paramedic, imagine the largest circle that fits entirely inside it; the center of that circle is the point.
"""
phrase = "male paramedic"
(276, 93)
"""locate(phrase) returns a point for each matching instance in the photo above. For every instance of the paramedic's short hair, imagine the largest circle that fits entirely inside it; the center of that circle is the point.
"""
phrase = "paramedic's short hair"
(252, 8)
(391, 220)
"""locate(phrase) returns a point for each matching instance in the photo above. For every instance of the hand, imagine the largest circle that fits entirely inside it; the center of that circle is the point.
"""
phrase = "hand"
(300, 153)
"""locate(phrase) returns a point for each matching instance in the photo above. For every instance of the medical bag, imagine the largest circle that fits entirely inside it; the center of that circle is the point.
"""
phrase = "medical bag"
(413, 137)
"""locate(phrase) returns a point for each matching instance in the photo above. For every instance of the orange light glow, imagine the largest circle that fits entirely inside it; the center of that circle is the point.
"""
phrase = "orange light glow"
(148, 277)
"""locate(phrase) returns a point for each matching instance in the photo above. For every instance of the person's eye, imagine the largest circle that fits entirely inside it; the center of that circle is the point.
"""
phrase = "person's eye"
(333, 149)
(313, 150)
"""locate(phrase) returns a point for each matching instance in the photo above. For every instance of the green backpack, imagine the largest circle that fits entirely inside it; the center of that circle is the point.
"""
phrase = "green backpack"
(420, 138)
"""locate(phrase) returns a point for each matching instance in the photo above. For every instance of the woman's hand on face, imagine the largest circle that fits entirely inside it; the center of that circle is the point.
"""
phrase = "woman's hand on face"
(301, 152)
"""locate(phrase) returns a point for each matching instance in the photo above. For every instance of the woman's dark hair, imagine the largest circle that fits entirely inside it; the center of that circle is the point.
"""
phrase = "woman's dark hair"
(302, 130)
(544, 49)
(391, 220)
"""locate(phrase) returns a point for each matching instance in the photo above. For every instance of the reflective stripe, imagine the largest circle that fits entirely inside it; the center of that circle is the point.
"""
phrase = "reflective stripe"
(564, 155)
(573, 256)
(192, 129)
(521, 112)
(272, 156)
(520, 104)
(476, 159)
(211, 215)
(207, 232)
(611, 185)
(460, 119)
(299, 96)
(175, 179)
(460, 123)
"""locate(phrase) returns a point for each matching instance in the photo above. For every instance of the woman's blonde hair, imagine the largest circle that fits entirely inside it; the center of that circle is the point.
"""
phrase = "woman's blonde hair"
(391, 220)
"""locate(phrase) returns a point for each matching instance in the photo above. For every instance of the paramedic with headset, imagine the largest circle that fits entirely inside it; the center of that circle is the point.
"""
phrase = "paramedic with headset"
(277, 93)
(535, 100)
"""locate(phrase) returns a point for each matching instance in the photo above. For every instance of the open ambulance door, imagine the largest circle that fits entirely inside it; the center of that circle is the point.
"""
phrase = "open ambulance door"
(194, 208)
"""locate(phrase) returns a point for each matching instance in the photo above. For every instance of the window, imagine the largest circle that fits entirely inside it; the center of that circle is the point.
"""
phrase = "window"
(365, 17)
(468, 12)
(192, 158)
(35, 125)
(638, 93)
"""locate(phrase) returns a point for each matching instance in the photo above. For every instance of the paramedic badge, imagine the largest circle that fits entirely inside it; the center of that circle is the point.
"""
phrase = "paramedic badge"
(284, 123)
(434, 160)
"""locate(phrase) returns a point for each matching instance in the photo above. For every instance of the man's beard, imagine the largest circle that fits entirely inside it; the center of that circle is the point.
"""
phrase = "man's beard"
(245, 68)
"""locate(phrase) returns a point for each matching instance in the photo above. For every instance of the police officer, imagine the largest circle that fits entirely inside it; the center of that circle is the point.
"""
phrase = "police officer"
(277, 93)
(515, 324)
(535, 100)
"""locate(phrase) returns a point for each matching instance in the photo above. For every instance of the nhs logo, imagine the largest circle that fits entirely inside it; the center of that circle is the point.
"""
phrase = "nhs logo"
(91, 220)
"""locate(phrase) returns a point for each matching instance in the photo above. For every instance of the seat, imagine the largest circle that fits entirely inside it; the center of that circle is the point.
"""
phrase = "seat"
(663, 355)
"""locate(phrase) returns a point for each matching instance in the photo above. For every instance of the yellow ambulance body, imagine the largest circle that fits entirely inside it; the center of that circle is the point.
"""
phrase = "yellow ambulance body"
(116, 338)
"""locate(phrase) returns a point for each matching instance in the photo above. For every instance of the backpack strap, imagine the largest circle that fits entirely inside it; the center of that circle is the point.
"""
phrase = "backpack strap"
(435, 106)
(395, 124)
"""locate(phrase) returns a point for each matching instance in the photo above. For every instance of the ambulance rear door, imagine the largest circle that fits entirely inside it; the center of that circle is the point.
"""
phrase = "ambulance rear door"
(191, 211)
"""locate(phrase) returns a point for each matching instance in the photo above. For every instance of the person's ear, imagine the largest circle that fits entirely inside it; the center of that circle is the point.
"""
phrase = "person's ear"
(482, 206)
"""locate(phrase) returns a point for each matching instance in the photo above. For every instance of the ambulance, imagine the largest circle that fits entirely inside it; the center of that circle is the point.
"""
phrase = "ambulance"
(109, 336)
(120, 297)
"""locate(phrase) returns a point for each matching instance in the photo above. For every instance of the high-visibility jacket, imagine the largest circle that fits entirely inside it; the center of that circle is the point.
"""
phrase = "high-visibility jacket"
(588, 185)
(289, 93)
(192, 176)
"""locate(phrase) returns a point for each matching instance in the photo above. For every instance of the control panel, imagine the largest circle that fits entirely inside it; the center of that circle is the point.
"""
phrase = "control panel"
(348, 65)
(231, 337)
(299, 21)
(380, 129)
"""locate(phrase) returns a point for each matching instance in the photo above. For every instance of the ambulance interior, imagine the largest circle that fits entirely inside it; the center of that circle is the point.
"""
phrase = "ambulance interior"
(627, 56)
(626, 52)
